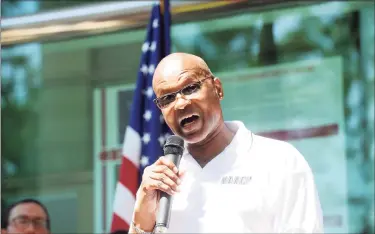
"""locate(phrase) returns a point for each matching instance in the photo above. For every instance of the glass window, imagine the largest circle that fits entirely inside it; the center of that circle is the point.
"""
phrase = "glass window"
(291, 72)
(46, 132)
(48, 121)
(14, 8)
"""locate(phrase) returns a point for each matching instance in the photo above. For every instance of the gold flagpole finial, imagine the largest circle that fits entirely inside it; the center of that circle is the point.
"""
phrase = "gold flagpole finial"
(161, 2)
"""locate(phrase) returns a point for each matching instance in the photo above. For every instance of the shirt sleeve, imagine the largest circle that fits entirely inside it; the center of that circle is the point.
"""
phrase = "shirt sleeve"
(299, 206)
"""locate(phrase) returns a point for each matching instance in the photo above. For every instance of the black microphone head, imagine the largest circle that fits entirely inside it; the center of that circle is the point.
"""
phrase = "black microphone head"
(174, 145)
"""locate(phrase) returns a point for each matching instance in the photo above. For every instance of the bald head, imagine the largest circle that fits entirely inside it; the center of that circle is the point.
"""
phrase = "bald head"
(188, 96)
(176, 65)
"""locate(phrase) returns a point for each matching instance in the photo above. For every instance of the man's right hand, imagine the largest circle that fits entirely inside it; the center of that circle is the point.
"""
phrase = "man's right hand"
(163, 175)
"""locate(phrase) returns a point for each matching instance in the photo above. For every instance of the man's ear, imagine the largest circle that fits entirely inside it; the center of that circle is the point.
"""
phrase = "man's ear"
(218, 88)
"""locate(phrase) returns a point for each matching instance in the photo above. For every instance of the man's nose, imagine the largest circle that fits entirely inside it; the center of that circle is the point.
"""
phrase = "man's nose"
(181, 102)
(30, 229)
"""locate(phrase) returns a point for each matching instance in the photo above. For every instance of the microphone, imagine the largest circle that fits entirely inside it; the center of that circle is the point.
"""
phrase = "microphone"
(173, 149)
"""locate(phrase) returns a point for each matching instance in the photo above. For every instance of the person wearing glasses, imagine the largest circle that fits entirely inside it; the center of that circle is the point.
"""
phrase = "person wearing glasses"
(230, 180)
(27, 216)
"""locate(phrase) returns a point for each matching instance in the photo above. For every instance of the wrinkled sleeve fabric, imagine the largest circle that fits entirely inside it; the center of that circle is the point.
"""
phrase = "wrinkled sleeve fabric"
(300, 210)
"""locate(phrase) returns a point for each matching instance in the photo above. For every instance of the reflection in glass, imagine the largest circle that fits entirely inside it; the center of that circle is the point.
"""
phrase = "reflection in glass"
(315, 32)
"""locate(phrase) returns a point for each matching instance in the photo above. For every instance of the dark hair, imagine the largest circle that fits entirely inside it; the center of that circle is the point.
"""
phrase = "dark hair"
(120, 231)
(7, 212)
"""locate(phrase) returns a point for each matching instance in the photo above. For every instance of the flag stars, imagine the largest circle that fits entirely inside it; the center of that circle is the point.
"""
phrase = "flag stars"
(155, 23)
(145, 46)
(153, 46)
(147, 115)
(146, 138)
(144, 69)
(161, 140)
(151, 69)
(144, 161)
(148, 92)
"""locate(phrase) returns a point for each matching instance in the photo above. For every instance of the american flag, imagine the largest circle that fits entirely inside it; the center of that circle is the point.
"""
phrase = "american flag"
(147, 131)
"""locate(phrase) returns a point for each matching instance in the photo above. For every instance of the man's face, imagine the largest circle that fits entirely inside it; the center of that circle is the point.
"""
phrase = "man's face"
(27, 218)
(191, 115)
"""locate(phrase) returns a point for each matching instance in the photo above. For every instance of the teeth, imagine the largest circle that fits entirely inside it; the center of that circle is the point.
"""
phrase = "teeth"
(188, 116)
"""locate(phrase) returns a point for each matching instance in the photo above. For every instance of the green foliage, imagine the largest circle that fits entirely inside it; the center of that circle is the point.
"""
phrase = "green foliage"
(18, 120)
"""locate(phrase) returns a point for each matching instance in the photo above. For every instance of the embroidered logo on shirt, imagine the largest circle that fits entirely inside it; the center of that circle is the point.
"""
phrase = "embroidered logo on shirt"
(240, 180)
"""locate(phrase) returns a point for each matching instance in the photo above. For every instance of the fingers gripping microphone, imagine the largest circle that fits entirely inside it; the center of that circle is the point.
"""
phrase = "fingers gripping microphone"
(173, 149)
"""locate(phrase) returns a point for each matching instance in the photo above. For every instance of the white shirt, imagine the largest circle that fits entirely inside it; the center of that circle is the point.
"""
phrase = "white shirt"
(256, 185)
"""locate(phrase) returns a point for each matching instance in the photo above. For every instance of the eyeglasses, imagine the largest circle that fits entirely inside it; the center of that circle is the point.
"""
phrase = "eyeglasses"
(23, 222)
(187, 91)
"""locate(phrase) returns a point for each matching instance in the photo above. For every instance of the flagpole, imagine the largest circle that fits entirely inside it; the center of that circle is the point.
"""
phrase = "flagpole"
(161, 3)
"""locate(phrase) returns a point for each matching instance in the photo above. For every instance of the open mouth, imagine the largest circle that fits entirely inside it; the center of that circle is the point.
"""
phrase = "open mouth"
(189, 120)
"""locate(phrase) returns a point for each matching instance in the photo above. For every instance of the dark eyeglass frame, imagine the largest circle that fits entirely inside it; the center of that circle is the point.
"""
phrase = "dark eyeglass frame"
(181, 91)
(23, 222)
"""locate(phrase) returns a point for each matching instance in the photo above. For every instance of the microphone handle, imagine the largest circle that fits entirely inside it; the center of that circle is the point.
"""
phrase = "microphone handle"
(165, 202)
(164, 213)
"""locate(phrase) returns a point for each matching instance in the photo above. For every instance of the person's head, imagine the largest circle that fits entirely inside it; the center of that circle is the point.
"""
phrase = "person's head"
(26, 217)
(121, 231)
(195, 112)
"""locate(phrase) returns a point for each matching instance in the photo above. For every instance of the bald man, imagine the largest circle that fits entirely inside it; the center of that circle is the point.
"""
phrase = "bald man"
(230, 180)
